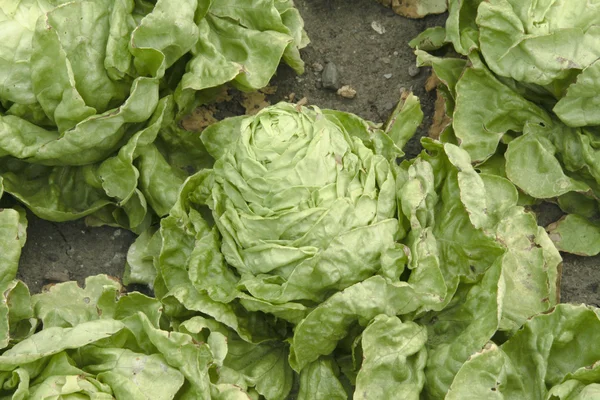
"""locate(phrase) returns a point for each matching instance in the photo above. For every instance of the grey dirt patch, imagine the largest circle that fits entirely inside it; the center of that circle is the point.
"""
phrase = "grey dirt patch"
(56, 252)
(368, 45)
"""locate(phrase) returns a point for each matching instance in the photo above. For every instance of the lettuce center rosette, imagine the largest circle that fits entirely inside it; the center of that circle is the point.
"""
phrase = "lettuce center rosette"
(303, 207)
(300, 204)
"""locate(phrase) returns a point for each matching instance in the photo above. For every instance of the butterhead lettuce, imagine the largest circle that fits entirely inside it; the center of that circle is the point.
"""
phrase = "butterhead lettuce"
(524, 105)
(92, 91)
(306, 240)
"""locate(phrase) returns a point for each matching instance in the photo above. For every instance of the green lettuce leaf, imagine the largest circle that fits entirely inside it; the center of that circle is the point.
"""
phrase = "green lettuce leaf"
(484, 248)
(430, 39)
(486, 110)
(548, 358)
(13, 234)
(394, 358)
(319, 380)
(531, 164)
(533, 42)
(577, 107)
(99, 343)
(461, 29)
(576, 234)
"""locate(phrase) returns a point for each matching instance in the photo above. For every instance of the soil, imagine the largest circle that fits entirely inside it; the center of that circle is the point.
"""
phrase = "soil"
(374, 64)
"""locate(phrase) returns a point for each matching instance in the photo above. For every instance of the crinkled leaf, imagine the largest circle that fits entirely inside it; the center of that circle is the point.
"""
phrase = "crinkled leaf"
(394, 357)
(319, 333)
(461, 329)
(533, 41)
(140, 259)
(319, 381)
(486, 109)
(16, 314)
(131, 375)
(54, 340)
(263, 366)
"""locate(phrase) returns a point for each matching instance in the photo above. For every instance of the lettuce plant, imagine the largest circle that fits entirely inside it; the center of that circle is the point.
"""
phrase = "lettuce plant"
(91, 92)
(306, 237)
(525, 104)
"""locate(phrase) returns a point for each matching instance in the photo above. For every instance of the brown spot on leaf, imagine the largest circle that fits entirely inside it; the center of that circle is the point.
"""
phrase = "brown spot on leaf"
(569, 64)
(555, 237)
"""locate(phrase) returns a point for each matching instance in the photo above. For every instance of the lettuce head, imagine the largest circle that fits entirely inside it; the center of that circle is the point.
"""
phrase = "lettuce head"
(91, 92)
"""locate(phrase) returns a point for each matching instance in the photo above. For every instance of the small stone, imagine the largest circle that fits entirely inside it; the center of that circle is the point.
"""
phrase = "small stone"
(70, 251)
(386, 60)
(413, 70)
(330, 76)
(387, 76)
(377, 27)
(61, 275)
(347, 92)
(396, 53)
(317, 67)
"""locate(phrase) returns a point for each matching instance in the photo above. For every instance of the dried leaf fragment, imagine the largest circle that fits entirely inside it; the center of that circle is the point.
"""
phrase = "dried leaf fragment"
(415, 8)
(377, 27)
(432, 82)
(223, 95)
(347, 92)
(199, 119)
(441, 120)
(269, 89)
(254, 102)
